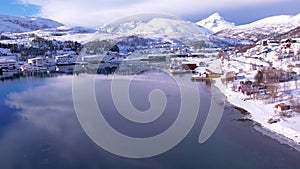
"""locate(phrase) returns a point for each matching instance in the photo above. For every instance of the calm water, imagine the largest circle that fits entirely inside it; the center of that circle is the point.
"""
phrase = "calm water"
(39, 129)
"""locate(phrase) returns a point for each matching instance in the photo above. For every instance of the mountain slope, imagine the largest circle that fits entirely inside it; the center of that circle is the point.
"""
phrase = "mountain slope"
(154, 24)
(215, 23)
(263, 28)
(25, 24)
(294, 33)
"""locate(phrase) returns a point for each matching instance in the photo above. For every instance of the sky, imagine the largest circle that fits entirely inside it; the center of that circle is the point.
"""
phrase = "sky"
(94, 13)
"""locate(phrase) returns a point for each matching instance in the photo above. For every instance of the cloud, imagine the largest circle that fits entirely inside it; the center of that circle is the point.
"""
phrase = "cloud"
(94, 13)
(45, 107)
(46, 131)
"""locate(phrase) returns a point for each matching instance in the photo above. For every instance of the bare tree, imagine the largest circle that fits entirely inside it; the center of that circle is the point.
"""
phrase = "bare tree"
(272, 92)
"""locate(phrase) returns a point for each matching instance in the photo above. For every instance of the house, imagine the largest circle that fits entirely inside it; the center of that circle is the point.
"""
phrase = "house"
(38, 61)
(246, 87)
(282, 107)
(7, 63)
(269, 42)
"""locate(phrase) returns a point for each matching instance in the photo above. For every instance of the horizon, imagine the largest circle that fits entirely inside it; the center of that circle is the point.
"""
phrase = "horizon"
(106, 12)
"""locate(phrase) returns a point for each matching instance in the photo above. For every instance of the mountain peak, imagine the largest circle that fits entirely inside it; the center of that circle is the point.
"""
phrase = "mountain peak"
(215, 16)
(215, 23)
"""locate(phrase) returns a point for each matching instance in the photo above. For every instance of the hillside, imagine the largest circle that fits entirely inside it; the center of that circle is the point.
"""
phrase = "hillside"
(156, 26)
(261, 29)
(294, 33)
(15, 24)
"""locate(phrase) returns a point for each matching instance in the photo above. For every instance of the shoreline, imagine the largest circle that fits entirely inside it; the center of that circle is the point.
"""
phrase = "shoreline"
(265, 130)
(285, 131)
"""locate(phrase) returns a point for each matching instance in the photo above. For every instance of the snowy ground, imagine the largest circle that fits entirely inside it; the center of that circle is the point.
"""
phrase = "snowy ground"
(261, 113)
(287, 126)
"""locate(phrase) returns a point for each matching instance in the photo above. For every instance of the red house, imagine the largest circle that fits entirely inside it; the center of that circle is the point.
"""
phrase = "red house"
(282, 107)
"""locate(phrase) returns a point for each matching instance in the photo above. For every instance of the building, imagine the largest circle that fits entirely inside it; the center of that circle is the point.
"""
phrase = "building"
(7, 63)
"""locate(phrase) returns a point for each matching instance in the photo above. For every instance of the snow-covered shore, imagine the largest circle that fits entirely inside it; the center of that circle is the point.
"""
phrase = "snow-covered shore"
(288, 127)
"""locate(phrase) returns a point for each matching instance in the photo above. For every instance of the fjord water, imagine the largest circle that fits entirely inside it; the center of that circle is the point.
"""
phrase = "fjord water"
(39, 129)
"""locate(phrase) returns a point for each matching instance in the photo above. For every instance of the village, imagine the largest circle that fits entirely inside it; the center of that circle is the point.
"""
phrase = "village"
(266, 84)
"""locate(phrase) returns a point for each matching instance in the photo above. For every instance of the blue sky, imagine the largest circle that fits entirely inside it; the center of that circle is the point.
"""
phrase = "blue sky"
(11, 7)
(93, 13)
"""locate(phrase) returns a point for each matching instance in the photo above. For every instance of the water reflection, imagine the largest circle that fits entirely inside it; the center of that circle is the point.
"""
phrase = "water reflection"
(46, 133)
(44, 105)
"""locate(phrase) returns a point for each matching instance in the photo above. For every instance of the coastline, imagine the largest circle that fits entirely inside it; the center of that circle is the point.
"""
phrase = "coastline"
(281, 133)
(286, 130)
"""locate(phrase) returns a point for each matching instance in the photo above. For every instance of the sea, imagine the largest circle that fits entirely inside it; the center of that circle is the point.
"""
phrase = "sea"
(46, 124)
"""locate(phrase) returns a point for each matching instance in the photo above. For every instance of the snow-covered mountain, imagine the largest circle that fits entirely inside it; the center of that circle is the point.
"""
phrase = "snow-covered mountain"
(25, 24)
(261, 29)
(62, 33)
(294, 33)
(215, 23)
(155, 24)
(65, 33)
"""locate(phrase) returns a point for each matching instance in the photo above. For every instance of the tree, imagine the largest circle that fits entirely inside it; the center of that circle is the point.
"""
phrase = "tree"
(272, 91)
(259, 77)
(115, 48)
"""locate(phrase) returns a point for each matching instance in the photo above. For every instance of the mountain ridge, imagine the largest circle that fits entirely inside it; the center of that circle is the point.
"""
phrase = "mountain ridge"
(16, 24)
(155, 26)
(263, 28)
